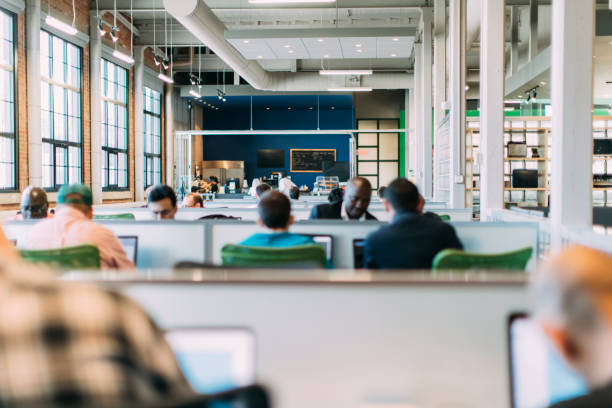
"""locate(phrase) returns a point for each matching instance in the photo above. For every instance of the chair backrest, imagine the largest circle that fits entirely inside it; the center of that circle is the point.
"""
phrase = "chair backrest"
(445, 217)
(76, 257)
(309, 255)
(455, 259)
(219, 217)
(126, 216)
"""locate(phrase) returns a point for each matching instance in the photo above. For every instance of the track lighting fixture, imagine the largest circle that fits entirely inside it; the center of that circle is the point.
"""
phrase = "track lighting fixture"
(165, 63)
(114, 36)
(157, 60)
(101, 28)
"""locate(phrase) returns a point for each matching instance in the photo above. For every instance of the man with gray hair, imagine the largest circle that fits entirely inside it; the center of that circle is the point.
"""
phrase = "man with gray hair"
(573, 304)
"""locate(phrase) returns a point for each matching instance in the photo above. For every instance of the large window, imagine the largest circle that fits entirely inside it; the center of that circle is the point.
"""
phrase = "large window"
(8, 164)
(114, 126)
(61, 111)
(152, 132)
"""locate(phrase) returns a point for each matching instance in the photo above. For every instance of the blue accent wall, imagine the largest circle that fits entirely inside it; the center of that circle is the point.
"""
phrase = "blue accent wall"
(336, 112)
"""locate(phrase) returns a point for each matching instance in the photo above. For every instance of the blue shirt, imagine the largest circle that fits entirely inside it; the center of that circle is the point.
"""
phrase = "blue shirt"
(277, 240)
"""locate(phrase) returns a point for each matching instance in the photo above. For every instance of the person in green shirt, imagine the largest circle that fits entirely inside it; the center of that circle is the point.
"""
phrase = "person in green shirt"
(274, 212)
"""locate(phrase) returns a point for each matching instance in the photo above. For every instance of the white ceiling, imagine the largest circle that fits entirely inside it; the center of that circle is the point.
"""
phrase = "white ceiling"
(324, 47)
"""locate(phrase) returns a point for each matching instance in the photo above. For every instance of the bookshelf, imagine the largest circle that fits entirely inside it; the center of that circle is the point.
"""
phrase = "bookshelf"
(535, 132)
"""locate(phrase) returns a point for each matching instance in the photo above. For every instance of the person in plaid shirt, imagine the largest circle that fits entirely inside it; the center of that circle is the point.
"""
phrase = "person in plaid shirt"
(65, 344)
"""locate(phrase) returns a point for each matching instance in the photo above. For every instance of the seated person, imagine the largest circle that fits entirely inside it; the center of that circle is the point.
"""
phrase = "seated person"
(381, 192)
(336, 195)
(573, 304)
(73, 225)
(354, 205)
(411, 240)
(193, 200)
(75, 345)
(274, 212)
(261, 190)
(162, 202)
(214, 184)
(294, 193)
(34, 204)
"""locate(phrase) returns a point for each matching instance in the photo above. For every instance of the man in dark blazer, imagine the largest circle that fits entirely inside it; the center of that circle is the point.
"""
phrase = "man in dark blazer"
(411, 240)
(353, 207)
(573, 304)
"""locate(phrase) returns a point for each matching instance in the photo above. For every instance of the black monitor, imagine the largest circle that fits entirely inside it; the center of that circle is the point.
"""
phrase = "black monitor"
(358, 254)
(130, 246)
(524, 178)
(270, 159)
(327, 242)
(342, 170)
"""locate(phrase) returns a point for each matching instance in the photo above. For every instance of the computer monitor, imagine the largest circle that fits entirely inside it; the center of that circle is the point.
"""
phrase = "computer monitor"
(358, 256)
(130, 246)
(327, 242)
(214, 360)
(524, 178)
(539, 376)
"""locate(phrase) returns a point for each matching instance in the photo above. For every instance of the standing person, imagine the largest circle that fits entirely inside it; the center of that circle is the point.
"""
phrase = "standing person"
(411, 240)
(73, 225)
(354, 205)
(162, 202)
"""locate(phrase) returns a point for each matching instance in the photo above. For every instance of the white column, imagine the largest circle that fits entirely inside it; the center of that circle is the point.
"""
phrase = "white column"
(412, 146)
(533, 29)
(418, 122)
(170, 135)
(426, 151)
(97, 158)
(139, 180)
(491, 106)
(439, 75)
(407, 124)
(33, 92)
(457, 24)
(514, 48)
(572, 101)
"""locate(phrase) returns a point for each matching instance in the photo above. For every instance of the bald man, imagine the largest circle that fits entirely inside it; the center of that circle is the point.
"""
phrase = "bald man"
(573, 303)
(354, 206)
(34, 204)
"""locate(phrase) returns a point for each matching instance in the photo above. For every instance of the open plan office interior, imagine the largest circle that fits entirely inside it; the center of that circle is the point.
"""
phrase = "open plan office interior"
(435, 164)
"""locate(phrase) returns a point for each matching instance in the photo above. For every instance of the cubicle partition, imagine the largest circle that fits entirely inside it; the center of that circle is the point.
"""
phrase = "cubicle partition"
(163, 243)
(356, 340)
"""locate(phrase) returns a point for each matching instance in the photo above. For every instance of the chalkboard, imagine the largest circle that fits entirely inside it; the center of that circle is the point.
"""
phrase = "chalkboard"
(310, 160)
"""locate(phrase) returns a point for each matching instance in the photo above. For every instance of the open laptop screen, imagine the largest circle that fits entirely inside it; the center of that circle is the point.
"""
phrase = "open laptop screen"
(130, 246)
(214, 360)
(539, 375)
(327, 242)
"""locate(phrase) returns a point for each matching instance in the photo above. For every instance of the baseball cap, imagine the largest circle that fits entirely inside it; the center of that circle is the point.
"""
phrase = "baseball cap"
(80, 189)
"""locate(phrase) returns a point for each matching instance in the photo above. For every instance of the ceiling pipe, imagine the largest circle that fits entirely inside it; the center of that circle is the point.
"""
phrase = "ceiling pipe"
(196, 17)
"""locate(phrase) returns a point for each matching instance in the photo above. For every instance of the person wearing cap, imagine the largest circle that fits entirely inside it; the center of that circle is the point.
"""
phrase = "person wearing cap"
(73, 225)
(34, 204)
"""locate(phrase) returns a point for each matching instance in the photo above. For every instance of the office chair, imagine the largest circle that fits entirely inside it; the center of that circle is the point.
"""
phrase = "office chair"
(75, 257)
(126, 216)
(300, 256)
(453, 259)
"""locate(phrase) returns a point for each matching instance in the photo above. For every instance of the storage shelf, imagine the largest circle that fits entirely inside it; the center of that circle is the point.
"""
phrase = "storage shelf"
(526, 159)
(526, 189)
(602, 188)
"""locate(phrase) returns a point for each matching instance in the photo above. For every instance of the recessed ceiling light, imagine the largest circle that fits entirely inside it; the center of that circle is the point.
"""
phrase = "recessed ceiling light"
(358, 50)
(259, 57)
(394, 55)
(290, 51)
(268, 108)
(358, 45)
(320, 40)
(542, 83)
(289, 108)
(396, 39)
(246, 41)
(287, 46)
(326, 56)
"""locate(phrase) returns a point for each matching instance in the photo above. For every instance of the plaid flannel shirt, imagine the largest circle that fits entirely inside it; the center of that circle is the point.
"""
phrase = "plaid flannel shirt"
(66, 344)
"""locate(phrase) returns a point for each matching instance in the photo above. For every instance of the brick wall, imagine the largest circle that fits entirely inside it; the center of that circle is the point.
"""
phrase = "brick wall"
(63, 9)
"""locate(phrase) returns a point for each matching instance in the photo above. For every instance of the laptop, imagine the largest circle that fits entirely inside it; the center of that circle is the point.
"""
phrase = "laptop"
(539, 377)
(327, 242)
(130, 246)
(358, 256)
(214, 360)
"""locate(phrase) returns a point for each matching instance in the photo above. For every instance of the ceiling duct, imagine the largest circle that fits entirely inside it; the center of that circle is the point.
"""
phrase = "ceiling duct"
(196, 17)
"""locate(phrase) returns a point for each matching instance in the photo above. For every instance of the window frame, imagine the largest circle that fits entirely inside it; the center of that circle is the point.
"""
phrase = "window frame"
(15, 137)
(152, 156)
(115, 151)
(377, 146)
(65, 144)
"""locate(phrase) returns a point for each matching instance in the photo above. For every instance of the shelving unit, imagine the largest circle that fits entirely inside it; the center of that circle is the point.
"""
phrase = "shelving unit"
(536, 133)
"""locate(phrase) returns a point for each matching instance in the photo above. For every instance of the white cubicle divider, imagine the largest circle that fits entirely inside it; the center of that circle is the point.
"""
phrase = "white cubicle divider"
(162, 244)
(343, 233)
(358, 344)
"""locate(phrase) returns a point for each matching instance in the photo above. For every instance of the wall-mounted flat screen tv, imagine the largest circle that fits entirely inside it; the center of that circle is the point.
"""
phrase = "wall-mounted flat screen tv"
(270, 159)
